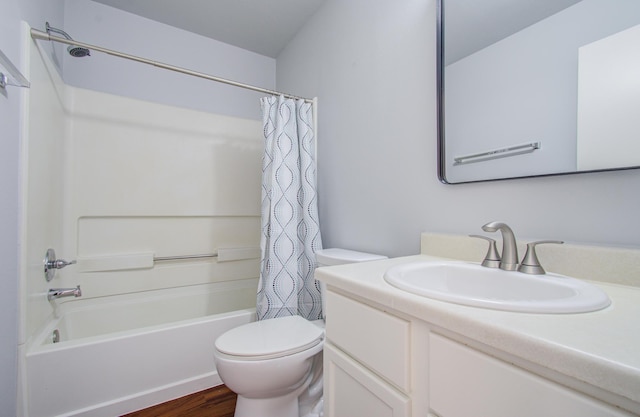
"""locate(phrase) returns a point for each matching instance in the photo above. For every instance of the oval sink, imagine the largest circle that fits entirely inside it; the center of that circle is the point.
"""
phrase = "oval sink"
(478, 286)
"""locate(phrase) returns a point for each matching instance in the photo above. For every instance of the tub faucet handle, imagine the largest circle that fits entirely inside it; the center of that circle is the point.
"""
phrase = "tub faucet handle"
(51, 264)
(60, 263)
(530, 263)
(492, 258)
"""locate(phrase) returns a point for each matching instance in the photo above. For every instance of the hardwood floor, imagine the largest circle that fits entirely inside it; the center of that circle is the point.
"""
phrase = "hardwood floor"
(218, 401)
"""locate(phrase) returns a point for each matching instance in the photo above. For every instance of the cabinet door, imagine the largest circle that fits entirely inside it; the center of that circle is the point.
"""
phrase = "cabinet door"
(465, 382)
(350, 390)
(378, 340)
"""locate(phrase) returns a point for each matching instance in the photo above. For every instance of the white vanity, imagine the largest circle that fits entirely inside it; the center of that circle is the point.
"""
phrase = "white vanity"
(392, 353)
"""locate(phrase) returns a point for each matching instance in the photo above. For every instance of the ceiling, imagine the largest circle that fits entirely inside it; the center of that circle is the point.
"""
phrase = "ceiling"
(266, 26)
(261, 26)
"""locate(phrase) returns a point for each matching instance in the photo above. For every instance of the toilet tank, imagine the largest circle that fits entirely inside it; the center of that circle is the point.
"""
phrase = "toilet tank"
(337, 256)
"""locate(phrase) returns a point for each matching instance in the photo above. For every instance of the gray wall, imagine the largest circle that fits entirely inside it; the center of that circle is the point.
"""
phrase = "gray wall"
(373, 70)
(9, 109)
(111, 28)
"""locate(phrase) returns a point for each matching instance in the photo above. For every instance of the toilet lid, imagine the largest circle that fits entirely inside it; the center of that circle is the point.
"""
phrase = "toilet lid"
(270, 338)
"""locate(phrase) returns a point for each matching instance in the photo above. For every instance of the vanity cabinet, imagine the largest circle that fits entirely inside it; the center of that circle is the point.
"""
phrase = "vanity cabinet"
(364, 374)
(466, 382)
(380, 363)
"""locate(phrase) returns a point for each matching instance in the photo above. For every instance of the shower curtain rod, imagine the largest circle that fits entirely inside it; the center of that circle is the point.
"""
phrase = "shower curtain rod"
(38, 34)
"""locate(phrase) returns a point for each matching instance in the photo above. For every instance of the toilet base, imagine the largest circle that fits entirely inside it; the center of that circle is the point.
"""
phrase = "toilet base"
(284, 406)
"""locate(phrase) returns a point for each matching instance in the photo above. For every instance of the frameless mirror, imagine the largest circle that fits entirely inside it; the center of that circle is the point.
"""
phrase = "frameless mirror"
(537, 87)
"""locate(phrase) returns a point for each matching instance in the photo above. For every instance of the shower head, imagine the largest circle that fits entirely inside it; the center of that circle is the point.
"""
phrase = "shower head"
(77, 51)
(74, 50)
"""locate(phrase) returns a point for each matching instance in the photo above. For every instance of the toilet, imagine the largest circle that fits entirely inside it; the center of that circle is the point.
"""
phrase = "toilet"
(275, 365)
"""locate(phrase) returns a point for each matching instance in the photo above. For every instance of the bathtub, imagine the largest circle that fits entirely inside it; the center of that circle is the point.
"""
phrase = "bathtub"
(124, 353)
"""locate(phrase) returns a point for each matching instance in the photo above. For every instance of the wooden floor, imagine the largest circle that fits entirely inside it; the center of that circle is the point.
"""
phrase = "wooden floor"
(218, 401)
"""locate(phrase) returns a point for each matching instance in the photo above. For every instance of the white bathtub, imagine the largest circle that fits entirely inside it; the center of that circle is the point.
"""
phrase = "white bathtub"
(128, 352)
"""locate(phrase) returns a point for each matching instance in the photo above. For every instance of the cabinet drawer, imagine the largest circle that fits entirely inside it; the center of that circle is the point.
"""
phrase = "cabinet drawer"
(465, 382)
(352, 391)
(378, 340)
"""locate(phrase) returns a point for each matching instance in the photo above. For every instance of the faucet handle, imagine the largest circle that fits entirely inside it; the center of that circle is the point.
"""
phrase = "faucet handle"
(530, 263)
(51, 264)
(492, 258)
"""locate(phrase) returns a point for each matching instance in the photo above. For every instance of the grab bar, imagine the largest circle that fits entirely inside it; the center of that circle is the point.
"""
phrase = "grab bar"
(146, 260)
(223, 255)
(497, 153)
(180, 257)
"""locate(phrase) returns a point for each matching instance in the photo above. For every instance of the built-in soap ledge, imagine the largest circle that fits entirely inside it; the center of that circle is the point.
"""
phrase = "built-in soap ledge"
(598, 263)
(146, 260)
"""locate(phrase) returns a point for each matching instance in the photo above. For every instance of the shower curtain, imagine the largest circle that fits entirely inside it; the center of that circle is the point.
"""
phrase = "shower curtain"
(290, 228)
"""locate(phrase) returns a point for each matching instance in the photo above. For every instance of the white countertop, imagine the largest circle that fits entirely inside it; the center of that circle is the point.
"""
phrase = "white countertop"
(600, 349)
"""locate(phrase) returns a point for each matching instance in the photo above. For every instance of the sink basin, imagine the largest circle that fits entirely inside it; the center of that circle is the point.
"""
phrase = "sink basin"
(478, 286)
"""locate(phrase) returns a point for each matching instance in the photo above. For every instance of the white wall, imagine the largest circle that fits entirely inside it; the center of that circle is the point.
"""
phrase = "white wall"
(13, 11)
(149, 178)
(373, 70)
(42, 165)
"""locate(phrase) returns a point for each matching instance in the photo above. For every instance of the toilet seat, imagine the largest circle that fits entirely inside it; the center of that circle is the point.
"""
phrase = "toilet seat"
(271, 338)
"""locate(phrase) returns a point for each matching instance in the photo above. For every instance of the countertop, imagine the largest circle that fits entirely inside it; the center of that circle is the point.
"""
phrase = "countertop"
(599, 349)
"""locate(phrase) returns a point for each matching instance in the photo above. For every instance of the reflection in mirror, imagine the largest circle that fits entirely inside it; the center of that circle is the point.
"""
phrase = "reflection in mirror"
(537, 87)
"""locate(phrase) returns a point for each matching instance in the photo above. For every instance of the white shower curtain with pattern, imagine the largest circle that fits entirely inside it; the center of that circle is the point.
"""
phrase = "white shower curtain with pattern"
(290, 228)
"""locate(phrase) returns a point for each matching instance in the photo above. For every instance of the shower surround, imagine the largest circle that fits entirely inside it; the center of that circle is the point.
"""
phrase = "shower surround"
(107, 176)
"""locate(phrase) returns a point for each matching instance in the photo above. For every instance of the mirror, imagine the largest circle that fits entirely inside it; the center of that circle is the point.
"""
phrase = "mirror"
(537, 87)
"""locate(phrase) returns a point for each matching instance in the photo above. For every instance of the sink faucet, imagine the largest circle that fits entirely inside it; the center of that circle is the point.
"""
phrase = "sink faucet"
(63, 292)
(509, 260)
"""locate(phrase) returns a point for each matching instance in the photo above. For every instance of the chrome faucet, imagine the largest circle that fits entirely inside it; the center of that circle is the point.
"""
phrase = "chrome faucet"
(63, 292)
(509, 259)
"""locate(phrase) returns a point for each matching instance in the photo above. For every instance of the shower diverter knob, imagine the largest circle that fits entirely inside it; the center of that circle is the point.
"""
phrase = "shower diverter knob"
(51, 264)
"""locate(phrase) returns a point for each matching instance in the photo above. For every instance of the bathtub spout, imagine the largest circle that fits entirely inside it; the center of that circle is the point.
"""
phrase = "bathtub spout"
(63, 292)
